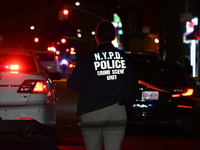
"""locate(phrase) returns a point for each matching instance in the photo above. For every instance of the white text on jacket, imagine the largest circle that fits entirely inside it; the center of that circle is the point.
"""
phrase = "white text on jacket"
(109, 64)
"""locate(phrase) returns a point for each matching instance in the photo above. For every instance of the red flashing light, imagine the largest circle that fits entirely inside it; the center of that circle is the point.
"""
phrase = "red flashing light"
(12, 67)
(51, 49)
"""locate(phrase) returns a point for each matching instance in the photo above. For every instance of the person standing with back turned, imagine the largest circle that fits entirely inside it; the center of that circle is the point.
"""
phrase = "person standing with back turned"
(107, 84)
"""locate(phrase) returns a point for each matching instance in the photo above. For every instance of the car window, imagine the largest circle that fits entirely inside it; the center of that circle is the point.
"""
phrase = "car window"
(46, 57)
(20, 62)
(160, 73)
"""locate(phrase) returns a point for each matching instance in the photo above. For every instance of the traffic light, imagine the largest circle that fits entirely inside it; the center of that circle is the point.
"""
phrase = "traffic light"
(63, 14)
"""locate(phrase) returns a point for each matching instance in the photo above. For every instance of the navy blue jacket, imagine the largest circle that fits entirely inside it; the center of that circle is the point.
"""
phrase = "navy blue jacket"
(103, 77)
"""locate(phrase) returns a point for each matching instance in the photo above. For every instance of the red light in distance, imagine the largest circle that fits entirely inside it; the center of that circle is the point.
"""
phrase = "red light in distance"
(65, 12)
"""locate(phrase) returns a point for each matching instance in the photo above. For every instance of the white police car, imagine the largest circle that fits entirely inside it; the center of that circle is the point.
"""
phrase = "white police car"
(27, 95)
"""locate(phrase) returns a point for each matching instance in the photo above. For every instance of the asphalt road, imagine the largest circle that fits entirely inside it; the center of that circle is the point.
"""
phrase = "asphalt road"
(138, 137)
(69, 136)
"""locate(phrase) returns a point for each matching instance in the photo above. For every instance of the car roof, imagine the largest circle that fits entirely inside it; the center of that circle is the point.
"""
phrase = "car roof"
(143, 55)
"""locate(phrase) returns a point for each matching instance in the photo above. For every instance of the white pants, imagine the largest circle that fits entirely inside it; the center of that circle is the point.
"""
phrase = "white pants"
(107, 124)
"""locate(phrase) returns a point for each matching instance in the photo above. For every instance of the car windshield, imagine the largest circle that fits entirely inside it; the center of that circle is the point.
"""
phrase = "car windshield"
(17, 63)
(160, 73)
(46, 57)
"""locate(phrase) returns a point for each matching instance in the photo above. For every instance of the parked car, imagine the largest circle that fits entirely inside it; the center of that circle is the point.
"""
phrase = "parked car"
(28, 97)
(49, 61)
(165, 96)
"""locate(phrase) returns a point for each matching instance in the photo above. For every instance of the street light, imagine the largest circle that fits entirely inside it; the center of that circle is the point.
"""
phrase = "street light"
(77, 3)
(36, 39)
(32, 27)
(63, 40)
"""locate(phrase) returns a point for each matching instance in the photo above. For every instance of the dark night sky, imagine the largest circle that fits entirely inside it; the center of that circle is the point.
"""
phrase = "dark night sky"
(18, 15)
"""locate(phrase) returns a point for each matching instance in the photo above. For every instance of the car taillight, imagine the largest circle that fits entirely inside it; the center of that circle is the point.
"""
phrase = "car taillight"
(33, 86)
(27, 119)
(186, 92)
(184, 106)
